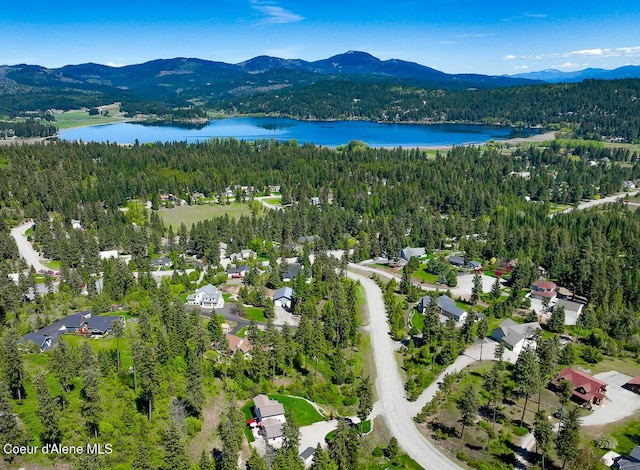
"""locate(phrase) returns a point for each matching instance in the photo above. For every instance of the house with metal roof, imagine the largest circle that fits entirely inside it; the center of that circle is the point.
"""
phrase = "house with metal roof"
(515, 335)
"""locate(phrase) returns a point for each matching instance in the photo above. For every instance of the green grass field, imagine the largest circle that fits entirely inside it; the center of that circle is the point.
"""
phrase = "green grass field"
(417, 320)
(256, 314)
(79, 117)
(302, 411)
(190, 215)
(273, 200)
(422, 275)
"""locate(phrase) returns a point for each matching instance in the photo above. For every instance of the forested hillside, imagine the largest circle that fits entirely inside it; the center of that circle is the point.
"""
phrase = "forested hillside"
(593, 109)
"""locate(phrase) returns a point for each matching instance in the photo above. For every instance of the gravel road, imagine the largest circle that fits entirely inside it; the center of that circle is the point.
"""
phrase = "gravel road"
(391, 403)
(24, 247)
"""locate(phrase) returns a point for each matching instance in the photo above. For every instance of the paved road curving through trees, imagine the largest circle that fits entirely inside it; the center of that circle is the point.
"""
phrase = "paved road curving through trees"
(391, 402)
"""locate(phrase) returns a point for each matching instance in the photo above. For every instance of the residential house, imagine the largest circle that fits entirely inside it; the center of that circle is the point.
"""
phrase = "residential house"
(270, 414)
(293, 271)
(629, 463)
(475, 265)
(633, 385)
(407, 252)
(239, 272)
(449, 309)
(423, 303)
(586, 389)
(223, 250)
(572, 310)
(207, 296)
(237, 343)
(244, 254)
(162, 262)
(456, 261)
(544, 290)
(284, 297)
(79, 322)
(515, 335)
(307, 456)
(308, 239)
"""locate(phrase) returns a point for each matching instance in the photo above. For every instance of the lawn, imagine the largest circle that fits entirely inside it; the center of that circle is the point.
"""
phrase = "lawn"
(256, 314)
(423, 276)
(273, 200)
(417, 321)
(190, 215)
(302, 411)
(79, 117)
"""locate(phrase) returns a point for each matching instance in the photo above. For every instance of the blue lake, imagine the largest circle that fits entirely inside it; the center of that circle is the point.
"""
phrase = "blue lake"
(330, 134)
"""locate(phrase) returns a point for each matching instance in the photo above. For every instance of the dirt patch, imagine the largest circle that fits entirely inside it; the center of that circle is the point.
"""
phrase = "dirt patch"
(205, 439)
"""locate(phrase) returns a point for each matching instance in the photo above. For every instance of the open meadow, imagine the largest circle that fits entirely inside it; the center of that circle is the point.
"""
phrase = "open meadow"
(190, 215)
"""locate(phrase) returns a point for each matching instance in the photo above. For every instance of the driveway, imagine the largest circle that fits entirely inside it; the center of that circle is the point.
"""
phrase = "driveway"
(619, 404)
(314, 434)
(389, 385)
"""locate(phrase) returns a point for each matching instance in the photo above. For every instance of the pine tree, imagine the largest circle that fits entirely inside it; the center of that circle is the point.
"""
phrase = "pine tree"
(496, 289)
(117, 330)
(476, 290)
(175, 452)
(526, 375)
(568, 440)
(543, 433)
(556, 322)
(468, 406)
(254, 462)
(91, 406)
(343, 449)
(365, 400)
(47, 411)
(493, 383)
(11, 428)
(11, 363)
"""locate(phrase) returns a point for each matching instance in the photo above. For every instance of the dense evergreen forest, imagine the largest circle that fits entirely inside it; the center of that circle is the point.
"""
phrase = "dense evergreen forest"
(149, 387)
(593, 109)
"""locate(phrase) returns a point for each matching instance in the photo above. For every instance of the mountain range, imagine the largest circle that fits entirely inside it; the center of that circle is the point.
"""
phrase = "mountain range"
(182, 81)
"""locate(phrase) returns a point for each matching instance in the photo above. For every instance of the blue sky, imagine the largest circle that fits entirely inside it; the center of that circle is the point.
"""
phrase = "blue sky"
(455, 36)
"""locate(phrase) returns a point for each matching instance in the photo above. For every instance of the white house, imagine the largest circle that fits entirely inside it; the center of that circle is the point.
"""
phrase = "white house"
(270, 414)
(284, 297)
(207, 296)
(572, 310)
(407, 252)
(515, 335)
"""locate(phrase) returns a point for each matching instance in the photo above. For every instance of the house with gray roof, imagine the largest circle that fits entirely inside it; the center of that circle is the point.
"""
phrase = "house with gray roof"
(423, 303)
(515, 335)
(284, 297)
(407, 252)
(456, 261)
(572, 310)
(270, 414)
(207, 296)
(449, 309)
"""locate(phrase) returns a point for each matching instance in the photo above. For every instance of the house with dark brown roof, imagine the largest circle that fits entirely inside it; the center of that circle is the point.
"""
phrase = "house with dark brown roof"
(586, 389)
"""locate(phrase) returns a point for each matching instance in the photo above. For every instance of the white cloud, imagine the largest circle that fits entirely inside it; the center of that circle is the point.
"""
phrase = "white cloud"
(586, 53)
(509, 57)
(521, 67)
(274, 14)
(445, 41)
(532, 57)
(568, 65)
(114, 64)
